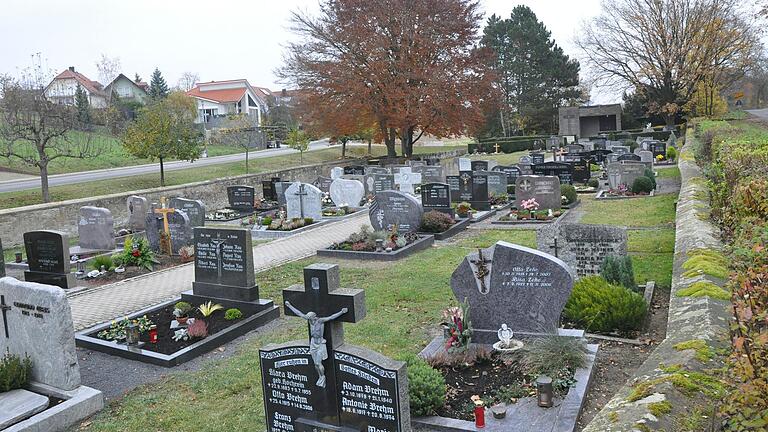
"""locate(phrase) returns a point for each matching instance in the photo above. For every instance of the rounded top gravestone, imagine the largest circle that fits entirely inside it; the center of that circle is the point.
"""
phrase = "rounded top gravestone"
(346, 192)
(95, 227)
(393, 209)
(304, 201)
(507, 283)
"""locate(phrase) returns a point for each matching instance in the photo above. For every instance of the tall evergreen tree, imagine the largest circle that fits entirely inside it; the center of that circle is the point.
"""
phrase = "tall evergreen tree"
(83, 106)
(158, 88)
(534, 74)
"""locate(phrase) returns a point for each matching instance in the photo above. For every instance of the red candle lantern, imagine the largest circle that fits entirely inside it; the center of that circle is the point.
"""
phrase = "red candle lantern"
(479, 412)
(153, 334)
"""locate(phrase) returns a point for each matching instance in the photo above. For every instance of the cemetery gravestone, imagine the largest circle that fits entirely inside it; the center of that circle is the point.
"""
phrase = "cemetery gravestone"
(323, 183)
(512, 172)
(466, 183)
(304, 201)
(405, 179)
(48, 258)
(599, 156)
(347, 193)
(583, 247)
(497, 182)
(564, 171)
(194, 209)
(179, 227)
(479, 165)
(545, 189)
(241, 198)
(137, 209)
(337, 172)
(454, 187)
(628, 157)
(624, 173)
(620, 149)
(268, 191)
(465, 164)
(430, 173)
(480, 192)
(354, 170)
(507, 283)
(394, 209)
(581, 171)
(95, 229)
(224, 264)
(376, 170)
(327, 385)
(537, 158)
(646, 157)
(375, 183)
(575, 148)
(659, 149)
(280, 188)
(437, 197)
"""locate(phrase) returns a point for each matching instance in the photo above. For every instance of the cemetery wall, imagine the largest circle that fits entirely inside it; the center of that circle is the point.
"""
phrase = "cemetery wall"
(63, 215)
(690, 318)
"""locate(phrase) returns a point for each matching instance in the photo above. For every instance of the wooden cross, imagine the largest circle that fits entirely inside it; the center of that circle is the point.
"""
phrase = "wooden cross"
(4, 308)
(497, 148)
(482, 270)
(322, 296)
(165, 211)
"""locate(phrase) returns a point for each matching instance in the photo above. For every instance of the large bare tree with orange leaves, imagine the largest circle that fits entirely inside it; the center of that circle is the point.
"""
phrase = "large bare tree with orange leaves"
(409, 67)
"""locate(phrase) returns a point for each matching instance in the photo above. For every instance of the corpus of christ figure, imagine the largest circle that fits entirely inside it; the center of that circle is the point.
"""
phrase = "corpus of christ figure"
(317, 347)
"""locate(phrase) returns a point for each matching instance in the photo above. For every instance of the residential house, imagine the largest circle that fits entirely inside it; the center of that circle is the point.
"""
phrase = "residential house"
(127, 90)
(62, 89)
(217, 99)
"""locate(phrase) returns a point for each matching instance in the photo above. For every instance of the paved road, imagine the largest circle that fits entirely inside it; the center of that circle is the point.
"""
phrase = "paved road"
(760, 113)
(86, 176)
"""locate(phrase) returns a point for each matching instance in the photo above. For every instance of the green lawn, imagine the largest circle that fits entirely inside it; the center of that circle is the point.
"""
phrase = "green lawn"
(502, 158)
(672, 172)
(635, 212)
(652, 252)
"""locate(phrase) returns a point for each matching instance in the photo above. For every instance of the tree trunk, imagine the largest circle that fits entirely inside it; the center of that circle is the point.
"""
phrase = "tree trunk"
(370, 141)
(503, 125)
(246, 160)
(389, 139)
(44, 183)
(343, 149)
(406, 141)
(162, 173)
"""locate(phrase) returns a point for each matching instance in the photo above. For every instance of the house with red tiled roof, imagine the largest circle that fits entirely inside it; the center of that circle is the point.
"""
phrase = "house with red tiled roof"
(62, 89)
(218, 99)
(126, 89)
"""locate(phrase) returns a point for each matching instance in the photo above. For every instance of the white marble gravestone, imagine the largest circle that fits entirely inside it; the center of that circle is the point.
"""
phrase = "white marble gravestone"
(347, 193)
(303, 200)
(406, 178)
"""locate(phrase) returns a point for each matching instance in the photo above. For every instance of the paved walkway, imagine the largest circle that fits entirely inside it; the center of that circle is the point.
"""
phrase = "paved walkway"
(115, 300)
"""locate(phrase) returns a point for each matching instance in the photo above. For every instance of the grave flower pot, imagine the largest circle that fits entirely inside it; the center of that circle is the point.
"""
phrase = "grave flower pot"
(182, 320)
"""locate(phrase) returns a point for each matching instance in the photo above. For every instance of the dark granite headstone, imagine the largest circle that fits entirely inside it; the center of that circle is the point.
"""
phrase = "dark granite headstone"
(354, 170)
(375, 183)
(583, 247)
(430, 173)
(323, 183)
(395, 208)
(574, 148)
(224, 264)
(512, 172)
(137, 209)
(480, 191)
(376, 170)
(514, 285)
(497, 182)
(280, 188)
(628, 157)
(96, 229)
(268, 191)
(178, 225)
(361, 390)
(48, 258)
(599, 155)
(658, 149)
(466, 180)
(546, 190)
(453, 182)
(241, 198)
(479, 165)
(195, 210)
(437, 197)
(537, 158)
(562, 170)
(581, 171)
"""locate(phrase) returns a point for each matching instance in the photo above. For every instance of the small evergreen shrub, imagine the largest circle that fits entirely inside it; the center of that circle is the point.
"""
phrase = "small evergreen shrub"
(267, 221)
(569, 192)
(426, 387)
(15, 372)
(103, 260)
(233, 314)
(593, 182)
(649, 173)
(671, 153)
(597, 305)
(436, 222)
(642, 185)
(619, 271)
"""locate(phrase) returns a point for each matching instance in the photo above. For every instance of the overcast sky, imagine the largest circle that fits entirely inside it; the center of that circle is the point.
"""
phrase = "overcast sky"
(218, 40)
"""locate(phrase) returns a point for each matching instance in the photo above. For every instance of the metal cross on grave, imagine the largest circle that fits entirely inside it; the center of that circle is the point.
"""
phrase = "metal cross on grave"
(406, 178)
(165, 211)
(482, 271)
(301, 193)
(4, 308)
(555, 247)
(218, 241)
(322, 303)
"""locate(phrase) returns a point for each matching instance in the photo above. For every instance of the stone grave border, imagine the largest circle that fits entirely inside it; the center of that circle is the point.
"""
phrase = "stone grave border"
(564, 211)
(602, 192)
(571, 206)
(346, 216)
(87, 338)
(77, 405)
(570, 406)
(421, 244)
(456, 228)
(485, 215)
(265, 234)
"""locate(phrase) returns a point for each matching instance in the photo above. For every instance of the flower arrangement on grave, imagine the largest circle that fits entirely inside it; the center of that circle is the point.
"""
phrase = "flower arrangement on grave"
(136, 252)
(181, 311)
(187, 253)
(198, 329)
(436, 222)
(457, 327)
(116, 330)
(463, 209)
(498, 200)
(284, 224)
(365, 240)
(660, 157)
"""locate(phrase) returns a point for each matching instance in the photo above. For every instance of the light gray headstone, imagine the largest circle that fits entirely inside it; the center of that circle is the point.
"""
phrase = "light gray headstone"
(394, 208)
(624, 173)
(546, 190)
(347, 192)
(375, 183)
(137, 209)
(525, 288)
(465, 164)
(195, 209)
(337, 172)
(96, 228)
(583, 247)
(306, 203)
(179, 226)
(405, 179)
(40, 326)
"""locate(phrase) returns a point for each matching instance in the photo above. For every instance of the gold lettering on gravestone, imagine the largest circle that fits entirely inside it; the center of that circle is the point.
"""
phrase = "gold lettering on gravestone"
(287, 388)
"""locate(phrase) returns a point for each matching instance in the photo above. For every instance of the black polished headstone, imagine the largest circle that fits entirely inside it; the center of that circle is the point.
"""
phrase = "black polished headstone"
(322, 183)
(563, 170)
(224, 264)
(480, 193)
(179, 226)
(537, 158)
(512, 172)
(437, 197)
(48, 258)
(581, 171)
(394, 209)
(268, 191)
(453, 182)
(479, 165)
(194, 209)
(241, 197)
(354, 170)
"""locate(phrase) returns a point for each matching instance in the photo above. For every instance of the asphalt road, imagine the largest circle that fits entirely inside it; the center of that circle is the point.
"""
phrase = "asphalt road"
(761, 113)
(87, 176)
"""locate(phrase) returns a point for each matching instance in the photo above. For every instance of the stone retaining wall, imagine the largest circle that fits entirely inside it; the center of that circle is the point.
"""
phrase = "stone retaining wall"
(690, 318)
(63, 215)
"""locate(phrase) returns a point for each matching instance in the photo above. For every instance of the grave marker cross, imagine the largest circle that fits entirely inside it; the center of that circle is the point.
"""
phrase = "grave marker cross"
(482, 270)
(301, 193)
(165, 210)
(406, 178)
(497, 146)
(554, 246)
(4, 308)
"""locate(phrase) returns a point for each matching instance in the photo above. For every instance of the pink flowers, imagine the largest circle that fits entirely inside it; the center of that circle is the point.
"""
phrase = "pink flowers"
(530, 204)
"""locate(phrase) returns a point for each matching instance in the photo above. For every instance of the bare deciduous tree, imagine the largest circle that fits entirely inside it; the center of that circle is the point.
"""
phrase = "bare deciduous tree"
(188, 81)
(109, 69)
(665, 48)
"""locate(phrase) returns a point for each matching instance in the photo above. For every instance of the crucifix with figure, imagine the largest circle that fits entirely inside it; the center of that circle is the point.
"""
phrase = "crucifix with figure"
(483, 270)
(165, 241)
(217, 242)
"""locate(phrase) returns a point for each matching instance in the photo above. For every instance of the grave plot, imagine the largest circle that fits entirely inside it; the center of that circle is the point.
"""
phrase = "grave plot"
(504, 332)
(439, 217)
(223, 304)
(303, 211)
(469, 194)
(628, 180)
(395, 218)
(41, 387)
(242, 203)
(538, 199)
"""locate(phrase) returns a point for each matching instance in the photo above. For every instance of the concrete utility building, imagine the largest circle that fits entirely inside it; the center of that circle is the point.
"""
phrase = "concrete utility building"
(586, 121)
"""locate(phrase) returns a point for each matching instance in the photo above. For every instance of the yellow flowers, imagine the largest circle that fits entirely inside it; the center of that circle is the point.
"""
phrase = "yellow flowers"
(207, 309)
